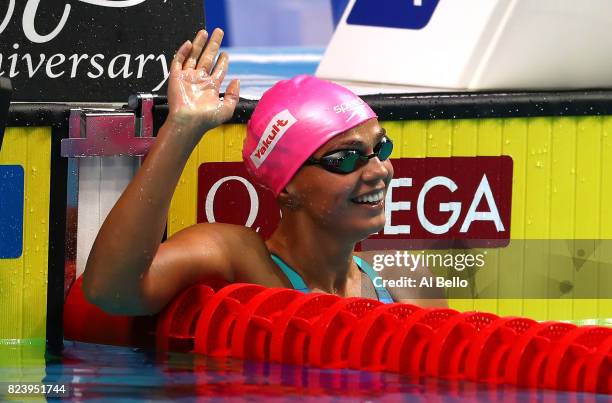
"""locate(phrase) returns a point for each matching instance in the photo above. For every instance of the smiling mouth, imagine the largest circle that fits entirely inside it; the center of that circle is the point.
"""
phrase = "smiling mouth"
(373, 198)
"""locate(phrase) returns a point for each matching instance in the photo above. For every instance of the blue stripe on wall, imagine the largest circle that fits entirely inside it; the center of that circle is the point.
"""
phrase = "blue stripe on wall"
(11, 211)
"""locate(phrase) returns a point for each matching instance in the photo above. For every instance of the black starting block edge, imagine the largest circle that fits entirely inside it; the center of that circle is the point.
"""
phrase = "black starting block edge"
(393, 107)
(463, 105)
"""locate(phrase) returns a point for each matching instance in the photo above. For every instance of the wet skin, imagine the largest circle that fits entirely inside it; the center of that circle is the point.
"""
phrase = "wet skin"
(129, 270)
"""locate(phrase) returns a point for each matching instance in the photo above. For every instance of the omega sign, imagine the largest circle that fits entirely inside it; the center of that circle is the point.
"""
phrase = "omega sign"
(431, 202)
(92, 50)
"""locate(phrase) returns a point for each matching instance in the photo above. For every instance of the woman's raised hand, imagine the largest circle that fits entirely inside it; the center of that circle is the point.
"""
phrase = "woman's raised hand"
(194, 83)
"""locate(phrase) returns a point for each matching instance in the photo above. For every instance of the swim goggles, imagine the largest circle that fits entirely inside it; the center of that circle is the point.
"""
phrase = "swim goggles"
(347, 161)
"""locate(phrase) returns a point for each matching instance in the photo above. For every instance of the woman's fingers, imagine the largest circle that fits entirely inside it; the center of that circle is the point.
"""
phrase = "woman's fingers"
(201, 55)
(218, 73)
(232, 91)
(210, 53)
(198, 44)
(230, 99)
(181, 56)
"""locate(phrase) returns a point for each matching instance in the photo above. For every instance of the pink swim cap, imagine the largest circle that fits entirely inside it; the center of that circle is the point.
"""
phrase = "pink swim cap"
(291, 121)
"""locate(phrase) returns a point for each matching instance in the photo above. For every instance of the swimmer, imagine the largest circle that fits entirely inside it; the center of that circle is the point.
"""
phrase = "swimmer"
(314, 144)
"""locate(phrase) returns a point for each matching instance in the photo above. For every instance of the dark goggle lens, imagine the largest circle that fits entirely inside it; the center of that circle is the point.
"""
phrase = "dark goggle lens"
(352, 159)
(349, 162)
(384, 149)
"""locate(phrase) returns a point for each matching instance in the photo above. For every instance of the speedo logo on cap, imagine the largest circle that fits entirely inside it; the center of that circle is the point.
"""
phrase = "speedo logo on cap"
(277, 127)
(352, 106)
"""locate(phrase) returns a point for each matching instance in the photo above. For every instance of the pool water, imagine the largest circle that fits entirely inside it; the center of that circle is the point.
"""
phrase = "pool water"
(96, 372)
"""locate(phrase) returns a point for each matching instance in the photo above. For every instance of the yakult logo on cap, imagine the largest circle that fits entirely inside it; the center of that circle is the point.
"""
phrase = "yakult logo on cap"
(277, 127)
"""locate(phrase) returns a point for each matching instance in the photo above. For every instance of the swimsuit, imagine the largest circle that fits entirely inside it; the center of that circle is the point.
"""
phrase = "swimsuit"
(298, 283)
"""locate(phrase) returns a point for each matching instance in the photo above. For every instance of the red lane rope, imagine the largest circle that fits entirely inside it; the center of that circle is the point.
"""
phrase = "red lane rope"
(249, 321)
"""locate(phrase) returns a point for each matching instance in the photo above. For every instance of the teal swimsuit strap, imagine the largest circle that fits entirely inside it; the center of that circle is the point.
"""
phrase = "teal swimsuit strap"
(295, 279)
(298, 283)
(381, 292)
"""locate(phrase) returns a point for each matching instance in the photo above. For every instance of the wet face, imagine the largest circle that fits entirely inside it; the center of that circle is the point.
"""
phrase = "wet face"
(350, 204)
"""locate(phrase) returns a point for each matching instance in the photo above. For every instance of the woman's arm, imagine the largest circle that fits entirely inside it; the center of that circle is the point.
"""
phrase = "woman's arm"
(123, 268)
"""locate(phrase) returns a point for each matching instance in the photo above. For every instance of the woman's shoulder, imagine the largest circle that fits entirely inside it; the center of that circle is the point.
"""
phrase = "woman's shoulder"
(218, 244)
(231, 237)
(244, 250)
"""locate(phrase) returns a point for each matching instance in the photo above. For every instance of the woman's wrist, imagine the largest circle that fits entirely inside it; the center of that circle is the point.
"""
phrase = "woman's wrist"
(185, 130)
(187, 124)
